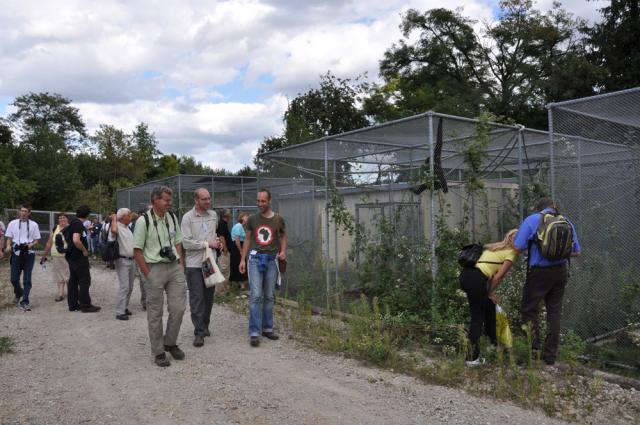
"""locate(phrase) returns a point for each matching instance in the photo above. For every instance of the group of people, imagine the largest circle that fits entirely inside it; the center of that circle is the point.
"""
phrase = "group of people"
(70, 269)
(546, 280)
(167, 255)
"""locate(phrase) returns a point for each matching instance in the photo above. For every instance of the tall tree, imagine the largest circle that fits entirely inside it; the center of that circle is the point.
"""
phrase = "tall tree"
(146, 152)
(115, 150)
(330, 109)
(13, 189)
(326, 110)
(49, 128)
(512, 68)
(51, 113)
(614, 44)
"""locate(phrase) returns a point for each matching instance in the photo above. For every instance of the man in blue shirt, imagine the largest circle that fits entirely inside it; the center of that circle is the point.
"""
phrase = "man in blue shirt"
(546, 280)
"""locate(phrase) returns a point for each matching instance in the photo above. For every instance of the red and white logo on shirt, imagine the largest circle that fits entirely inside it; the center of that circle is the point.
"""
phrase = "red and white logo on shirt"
(264, 235)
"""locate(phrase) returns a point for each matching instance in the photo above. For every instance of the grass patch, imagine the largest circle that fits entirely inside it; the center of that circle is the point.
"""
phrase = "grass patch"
(6, 345)
(403, 345)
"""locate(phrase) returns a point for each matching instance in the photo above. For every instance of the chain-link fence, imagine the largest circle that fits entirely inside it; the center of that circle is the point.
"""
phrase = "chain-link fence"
(238, 194)
(598, 188)
(383, 177)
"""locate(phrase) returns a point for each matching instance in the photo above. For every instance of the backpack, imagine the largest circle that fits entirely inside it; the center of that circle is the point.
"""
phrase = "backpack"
(64, 240)
(554, 236)
(104, 232)
(470, 254)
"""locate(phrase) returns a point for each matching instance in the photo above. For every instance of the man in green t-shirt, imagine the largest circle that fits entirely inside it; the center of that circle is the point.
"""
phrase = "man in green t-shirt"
(158, 254)
(265, 242)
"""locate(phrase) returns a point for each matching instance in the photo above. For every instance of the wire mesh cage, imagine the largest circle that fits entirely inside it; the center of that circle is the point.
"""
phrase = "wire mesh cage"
(596, 172)
(587, 162)
(383, 177)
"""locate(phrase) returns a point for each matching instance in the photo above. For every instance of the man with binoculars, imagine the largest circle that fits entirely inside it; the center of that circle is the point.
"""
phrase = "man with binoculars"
(158, 254)
(21, 236)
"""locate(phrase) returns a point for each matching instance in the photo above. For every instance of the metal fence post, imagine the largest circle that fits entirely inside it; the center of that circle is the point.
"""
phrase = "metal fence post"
(434, 263)
(326, 210)
(335, 230)
(552, 182)
(520, 179)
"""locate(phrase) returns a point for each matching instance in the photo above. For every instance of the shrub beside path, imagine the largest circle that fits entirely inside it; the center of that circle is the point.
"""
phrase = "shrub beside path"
(76, 368)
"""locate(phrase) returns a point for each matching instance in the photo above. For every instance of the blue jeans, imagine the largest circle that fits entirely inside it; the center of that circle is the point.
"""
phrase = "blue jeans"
(95, 247)
(24, 266)
(263, 274)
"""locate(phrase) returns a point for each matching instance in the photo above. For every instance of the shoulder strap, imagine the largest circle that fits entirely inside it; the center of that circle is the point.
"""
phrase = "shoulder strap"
(278, 225)
(146, 219)
(173, 218)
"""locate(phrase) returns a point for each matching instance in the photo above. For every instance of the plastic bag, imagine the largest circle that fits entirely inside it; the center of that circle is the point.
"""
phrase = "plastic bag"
(503, 331)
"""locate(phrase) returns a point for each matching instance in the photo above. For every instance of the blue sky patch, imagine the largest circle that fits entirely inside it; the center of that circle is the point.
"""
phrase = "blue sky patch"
(4, 104)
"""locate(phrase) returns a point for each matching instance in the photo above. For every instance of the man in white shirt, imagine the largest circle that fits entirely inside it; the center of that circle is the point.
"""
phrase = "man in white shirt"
(199, 232)
(21, 236)
(125, 268)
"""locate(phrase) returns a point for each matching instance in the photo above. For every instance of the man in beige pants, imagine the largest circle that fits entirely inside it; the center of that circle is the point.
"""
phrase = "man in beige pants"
(157, 251)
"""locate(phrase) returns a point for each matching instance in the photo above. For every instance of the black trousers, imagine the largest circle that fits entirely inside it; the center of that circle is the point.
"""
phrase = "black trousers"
(482, 309)
(79, 282)
(546, 284)
(200, 300)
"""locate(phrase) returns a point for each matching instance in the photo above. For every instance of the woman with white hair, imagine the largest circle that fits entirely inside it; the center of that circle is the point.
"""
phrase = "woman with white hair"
(119, 230)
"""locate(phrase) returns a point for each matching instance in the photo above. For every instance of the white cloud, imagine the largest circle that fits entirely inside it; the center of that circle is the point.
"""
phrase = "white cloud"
(195, 70)
(222, 135)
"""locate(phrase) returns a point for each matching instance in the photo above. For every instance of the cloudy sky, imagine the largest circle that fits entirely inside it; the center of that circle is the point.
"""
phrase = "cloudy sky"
(211, 78)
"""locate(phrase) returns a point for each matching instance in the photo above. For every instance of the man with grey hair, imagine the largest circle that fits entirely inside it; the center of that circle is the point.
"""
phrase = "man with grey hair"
(125, 269)
(199, 232)
(158, 253)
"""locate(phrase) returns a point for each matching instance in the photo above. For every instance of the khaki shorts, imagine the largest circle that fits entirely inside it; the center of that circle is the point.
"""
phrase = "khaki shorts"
(59, 269)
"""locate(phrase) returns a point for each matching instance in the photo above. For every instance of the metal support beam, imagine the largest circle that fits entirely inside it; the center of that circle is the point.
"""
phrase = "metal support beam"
(326, 227)
(552, 182)
(520, 179)
(434, 261)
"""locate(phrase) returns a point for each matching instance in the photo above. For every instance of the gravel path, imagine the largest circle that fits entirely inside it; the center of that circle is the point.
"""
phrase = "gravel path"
(72, 368)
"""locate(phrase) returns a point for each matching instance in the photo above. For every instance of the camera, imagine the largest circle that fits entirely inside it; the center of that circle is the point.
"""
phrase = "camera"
(167, 252)
(20, 249)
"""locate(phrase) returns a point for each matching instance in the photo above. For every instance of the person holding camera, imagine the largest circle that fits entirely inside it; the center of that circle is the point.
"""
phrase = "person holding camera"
(20, 238)
(158, 254)
(199, 232)
(267, 243)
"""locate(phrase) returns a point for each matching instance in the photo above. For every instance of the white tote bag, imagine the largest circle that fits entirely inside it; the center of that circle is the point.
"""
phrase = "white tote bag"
(210, 270)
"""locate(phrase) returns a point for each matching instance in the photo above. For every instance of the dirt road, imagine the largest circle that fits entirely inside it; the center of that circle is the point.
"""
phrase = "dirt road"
(74, 368)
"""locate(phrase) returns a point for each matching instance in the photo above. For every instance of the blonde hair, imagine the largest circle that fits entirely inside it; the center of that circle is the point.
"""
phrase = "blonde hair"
(506, 243)
(241, 216)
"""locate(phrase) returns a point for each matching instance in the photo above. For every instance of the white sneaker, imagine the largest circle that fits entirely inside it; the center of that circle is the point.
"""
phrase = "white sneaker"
(25, 307)
(477, 362)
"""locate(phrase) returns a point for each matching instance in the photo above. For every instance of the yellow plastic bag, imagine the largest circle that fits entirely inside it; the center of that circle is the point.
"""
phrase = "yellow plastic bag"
(503, 331)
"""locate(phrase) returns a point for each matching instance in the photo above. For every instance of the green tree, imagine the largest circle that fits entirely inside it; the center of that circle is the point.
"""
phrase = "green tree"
(49, 130)
(330, 109)
(512, 68)
(614, 44)
(324, 111)
(49, 113)
(168, 166)
(146, 151)
(13, 189)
